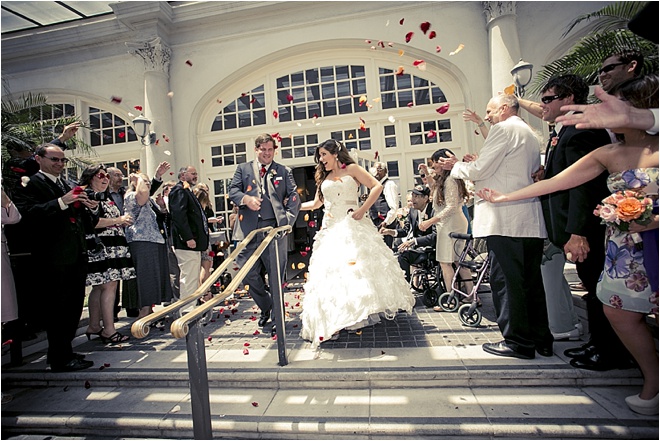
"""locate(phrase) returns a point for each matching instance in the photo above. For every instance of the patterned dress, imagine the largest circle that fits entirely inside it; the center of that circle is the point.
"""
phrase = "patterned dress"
(354, 278)
(107, 249)
(631, 257)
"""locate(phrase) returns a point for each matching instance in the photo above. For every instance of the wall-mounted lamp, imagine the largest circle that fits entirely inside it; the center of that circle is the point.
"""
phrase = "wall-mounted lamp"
(522, 76)
(141, 126)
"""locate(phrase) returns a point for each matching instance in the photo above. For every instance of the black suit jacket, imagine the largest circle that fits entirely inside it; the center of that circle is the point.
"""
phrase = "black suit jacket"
(424, 238)
(571, 211)
(57, 236)
(187, 219)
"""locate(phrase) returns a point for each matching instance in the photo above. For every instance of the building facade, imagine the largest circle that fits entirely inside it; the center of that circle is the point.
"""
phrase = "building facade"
(390, 79)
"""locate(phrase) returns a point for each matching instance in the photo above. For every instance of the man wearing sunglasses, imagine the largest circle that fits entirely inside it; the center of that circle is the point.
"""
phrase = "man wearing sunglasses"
(56, 216)
(615, 69)
(571, 224)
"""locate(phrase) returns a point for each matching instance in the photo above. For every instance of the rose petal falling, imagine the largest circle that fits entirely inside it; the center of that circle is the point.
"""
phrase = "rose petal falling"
(409, 36)
(167, 152)
(275, 114)
(139, 108)
(442, 109)
(401, 52)
(255, 404)
(432, 35)
(431, 134)
(425, 27)
(116, 99)
(189, 63)
(289, 97)
(510, 90)
(458, 49)
(391, 119)
(438, 49)
(400, 70)
(401, 21)
(170, 94)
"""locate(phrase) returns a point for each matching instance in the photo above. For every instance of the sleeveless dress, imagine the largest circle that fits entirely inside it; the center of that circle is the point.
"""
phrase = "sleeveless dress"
(452, 220)
(353, 276)
(631, 259)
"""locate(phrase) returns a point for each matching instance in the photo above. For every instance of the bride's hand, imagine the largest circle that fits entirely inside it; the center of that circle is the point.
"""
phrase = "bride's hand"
(357, 214)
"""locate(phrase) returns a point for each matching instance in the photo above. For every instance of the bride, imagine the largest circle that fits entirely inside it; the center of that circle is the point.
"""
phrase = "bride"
(353, 277)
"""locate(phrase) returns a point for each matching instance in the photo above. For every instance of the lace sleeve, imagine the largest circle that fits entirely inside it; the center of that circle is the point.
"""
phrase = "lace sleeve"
(453, 202)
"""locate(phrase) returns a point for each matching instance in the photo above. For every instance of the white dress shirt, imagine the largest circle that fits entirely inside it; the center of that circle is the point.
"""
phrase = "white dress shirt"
(391, 194)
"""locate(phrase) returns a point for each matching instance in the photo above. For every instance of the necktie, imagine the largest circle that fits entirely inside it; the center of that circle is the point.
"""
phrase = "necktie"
(60, 184)
(550, 146)
(262, 172)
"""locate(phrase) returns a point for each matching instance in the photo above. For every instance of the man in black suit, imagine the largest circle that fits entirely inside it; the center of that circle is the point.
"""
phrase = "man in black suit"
(56, 217)
(190, 233)
(383, 211)
(570, 221)
(414, 237)
(266, 195)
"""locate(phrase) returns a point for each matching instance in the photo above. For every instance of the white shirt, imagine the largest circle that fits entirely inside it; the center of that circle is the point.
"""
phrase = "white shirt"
(391, 194)
(54, 178)
(511, 153)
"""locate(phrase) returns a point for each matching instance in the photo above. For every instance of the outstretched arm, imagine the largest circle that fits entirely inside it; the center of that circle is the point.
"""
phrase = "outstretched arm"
(610, 113)
(582, 171)
(312, 205)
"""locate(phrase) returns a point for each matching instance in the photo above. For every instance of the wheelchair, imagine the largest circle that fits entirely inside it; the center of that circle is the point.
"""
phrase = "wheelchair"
(427, 277)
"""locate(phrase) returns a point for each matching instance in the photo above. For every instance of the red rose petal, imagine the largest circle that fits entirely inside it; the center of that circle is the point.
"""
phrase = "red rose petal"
(431, 134)
(138, 108)
(410, 104)
(418, 62)
(432, 35)
(275, 114)
(256, 332)
(209, 338)
(409, 36)
(189, 63)
(246, 351)
(425, 27)
(253, 100)
(438, 49)
(202, 160)
(121, 135)
(401, 21)
(255, 404)
(442, 109)
(246, 344)
(115, 99)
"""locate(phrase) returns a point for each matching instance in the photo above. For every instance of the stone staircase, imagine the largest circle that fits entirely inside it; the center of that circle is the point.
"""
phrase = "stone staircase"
(423, 375)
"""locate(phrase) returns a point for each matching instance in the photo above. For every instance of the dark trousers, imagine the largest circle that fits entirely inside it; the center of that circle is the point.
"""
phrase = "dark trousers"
(255, 278)
(518, 294)
(589, 270)
(389, 240)
(410, 257)
(61, 299)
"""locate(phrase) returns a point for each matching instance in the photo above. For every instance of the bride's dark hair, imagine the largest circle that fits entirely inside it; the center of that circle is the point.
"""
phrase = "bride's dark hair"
(334, 148)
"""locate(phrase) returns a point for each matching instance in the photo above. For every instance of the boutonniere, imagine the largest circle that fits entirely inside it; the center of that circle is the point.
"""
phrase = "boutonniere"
(554, 141)
(273, 172)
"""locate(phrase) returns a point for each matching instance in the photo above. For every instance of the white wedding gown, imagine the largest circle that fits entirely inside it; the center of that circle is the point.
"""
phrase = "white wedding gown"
(353, 277)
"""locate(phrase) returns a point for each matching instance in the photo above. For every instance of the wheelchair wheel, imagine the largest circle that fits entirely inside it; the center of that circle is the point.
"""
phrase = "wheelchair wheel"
(448, 302)
(469, 319)
(430, 298)
(421, 280)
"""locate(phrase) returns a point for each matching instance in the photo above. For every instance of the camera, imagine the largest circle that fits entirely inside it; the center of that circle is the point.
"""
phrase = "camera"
(96, 195)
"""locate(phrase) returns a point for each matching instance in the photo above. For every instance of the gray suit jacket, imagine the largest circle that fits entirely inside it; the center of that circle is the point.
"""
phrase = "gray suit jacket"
(281, 190)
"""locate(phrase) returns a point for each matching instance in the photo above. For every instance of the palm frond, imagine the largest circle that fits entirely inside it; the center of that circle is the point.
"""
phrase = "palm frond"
(585, 58)
(609, 18)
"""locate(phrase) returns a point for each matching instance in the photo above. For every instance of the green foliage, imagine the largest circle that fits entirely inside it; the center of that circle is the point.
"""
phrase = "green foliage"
(610, 35)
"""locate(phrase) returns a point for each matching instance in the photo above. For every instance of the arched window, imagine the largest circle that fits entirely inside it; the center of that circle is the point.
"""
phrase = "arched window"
(106, 128)
(246, 111)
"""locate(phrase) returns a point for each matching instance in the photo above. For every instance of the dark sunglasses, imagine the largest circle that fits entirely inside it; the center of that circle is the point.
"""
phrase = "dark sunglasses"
(62, 160)
(102, 175)
(549, 99)
(609, 68)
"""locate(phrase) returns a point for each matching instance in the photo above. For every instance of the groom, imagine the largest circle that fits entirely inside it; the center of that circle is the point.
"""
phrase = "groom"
(265, 193)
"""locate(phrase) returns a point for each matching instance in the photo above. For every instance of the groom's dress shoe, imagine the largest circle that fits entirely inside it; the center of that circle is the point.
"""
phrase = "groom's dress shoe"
(545, 350)
(595, 361)
(264, 318)
(73, 365)
(504, 350)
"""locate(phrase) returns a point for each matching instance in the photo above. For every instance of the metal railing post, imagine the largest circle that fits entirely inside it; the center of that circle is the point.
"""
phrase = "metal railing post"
(275, 282)
(199, 382)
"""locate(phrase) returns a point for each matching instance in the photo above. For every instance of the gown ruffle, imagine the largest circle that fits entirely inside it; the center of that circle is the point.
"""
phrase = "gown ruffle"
(353, 277)
(631, 259)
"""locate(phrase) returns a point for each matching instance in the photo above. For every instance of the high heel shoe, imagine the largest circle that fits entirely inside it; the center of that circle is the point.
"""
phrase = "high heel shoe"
(89, 334)
(115, 338)
(642, 406)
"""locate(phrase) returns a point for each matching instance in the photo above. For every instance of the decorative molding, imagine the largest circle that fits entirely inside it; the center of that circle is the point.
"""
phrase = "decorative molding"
(493, 10)
(156, 55)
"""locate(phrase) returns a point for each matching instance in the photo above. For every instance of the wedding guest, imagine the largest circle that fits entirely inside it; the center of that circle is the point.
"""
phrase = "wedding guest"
(10, 215)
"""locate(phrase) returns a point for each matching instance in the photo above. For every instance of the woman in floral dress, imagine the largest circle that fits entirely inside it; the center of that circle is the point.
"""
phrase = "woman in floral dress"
(109, 258)
(627, 289)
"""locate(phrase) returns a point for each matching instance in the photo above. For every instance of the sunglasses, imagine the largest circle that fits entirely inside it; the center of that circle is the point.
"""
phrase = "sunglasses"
(62, 160)
(102, 175)
(549, 99)
(609, 67)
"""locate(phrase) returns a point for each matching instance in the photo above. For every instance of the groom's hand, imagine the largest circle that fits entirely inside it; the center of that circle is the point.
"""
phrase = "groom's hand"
(253, 203)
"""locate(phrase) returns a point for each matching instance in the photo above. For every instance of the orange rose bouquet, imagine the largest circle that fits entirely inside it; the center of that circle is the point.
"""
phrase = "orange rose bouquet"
(623, 207)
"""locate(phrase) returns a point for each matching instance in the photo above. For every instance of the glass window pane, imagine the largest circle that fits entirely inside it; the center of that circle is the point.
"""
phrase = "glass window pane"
(230, 121)
(345, 106)
(389, 130)
(327, 74)
(328, 91)
(216, 150)
(342, 72)
(403, 82)
(259, 117)
(312, 76)
(329, 108)
(297, 79)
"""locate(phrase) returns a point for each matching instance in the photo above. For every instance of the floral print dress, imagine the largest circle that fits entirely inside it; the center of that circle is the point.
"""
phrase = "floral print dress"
(625, 282)
(107, 250)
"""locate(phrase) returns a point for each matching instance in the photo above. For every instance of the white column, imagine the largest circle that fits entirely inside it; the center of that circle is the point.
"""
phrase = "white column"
(157, 105)
(504, 44)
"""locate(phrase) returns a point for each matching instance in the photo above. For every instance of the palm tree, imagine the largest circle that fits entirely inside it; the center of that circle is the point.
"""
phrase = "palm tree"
(610, 35)
(24, 127)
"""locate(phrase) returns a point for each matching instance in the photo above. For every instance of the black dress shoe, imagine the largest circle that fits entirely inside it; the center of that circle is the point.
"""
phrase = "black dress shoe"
(273, 331)
(264, 318)
(596, 361)
(504, 350)
(545, 350)
(583, 351)
(73, 365)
